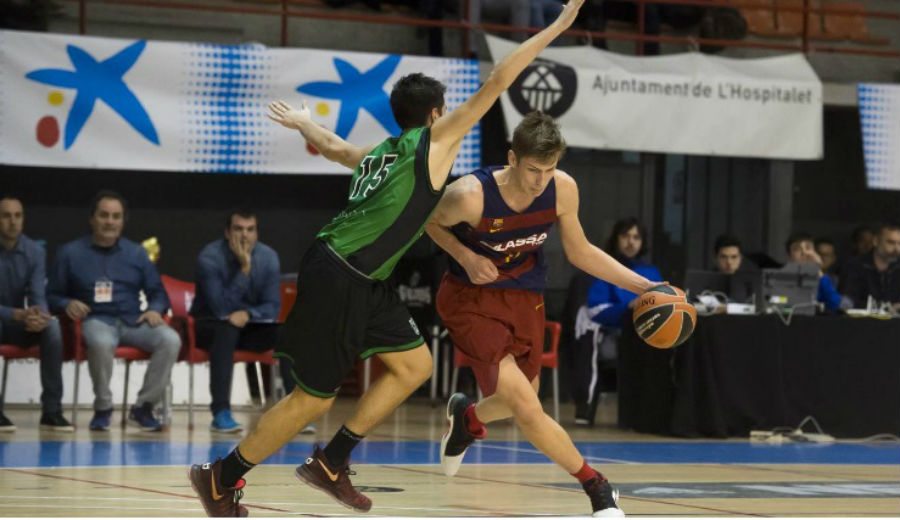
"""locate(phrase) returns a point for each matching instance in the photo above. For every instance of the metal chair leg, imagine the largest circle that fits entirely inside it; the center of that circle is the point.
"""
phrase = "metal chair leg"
(455, 379)
(75, 394)
(3, 391)
(125, 396)
(445, 361)
(435, 359)
(273, 381)
(556, 394)
(260, 384)
(190, 396)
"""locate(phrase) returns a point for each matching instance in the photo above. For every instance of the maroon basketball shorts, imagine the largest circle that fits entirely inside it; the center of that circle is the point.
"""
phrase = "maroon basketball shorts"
(487, 324)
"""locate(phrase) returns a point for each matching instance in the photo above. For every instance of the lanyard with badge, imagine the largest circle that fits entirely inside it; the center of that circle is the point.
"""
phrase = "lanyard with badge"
(103, 287)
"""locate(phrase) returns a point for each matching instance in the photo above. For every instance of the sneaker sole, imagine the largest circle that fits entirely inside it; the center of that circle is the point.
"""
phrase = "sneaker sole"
(450, 463)
(226, 430)
(301, 475)
(144, 428)
(65, 429)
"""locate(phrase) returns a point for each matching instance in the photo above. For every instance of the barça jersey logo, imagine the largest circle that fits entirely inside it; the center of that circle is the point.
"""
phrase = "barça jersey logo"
(496, 225)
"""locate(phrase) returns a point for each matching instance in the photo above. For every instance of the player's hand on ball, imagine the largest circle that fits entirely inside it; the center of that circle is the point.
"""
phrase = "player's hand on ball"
(288, 116)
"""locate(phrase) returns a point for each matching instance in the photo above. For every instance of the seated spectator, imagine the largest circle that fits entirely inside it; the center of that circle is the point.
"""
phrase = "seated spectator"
(236, 307)
(729, 256)
(800, 250)
(24, 320)
(720, 23)
(98, 279)
(606, 307)
(827, 252)
(862, 241)
(876, 274)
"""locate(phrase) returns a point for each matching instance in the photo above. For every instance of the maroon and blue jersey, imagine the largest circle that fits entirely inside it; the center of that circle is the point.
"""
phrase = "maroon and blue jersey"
(511, 240)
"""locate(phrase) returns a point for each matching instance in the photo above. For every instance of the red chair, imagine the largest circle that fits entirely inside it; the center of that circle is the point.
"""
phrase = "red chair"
(288, 298)
(9, 353)
(127, 353)
(549, 359)
(181, 295)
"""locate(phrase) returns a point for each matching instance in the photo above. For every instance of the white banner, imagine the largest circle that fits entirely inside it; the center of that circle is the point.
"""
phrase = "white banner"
(84, 102)
(682, 104)
(879, 118)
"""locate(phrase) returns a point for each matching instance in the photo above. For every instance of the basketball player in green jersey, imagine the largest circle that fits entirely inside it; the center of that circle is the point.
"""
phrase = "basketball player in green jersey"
(345, 310)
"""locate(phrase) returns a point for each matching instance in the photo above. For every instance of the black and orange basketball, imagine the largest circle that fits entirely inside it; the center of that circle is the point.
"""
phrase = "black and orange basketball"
(663, 317)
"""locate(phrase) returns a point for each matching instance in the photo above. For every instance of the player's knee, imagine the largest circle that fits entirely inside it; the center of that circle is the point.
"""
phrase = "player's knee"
(299, 400)
(414, 367)
(422, 371)
(414, 374)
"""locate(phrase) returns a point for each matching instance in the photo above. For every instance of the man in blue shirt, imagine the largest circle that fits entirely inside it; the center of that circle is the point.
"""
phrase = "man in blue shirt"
(237, 304)
(24, 319)
(600, 322)
(98, 279)
(801, 249)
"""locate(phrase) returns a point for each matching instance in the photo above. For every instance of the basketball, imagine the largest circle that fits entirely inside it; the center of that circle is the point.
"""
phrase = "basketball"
(663, 318)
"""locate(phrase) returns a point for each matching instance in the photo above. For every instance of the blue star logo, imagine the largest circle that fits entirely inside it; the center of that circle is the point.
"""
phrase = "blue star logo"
(358, 91)
(93, 80)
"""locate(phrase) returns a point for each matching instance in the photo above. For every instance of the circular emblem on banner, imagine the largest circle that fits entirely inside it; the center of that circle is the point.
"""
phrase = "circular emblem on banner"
(546, 86)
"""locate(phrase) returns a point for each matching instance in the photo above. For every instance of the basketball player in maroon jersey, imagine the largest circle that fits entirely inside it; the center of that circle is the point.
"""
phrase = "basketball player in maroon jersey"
(493, 223)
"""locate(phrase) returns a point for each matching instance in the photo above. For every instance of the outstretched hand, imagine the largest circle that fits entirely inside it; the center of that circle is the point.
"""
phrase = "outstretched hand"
(288, 116)
(569, 13)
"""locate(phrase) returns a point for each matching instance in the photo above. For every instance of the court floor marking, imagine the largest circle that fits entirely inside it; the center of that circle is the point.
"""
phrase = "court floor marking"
(556, 488)
(517, 449)
(134, 488)
(118, 508)
(247, 504)
(835, 475)
(193, 499)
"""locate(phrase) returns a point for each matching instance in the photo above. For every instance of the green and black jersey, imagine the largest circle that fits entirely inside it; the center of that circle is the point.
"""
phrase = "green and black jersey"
(390, 200)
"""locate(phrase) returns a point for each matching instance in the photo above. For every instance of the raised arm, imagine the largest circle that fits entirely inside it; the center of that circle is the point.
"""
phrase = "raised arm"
(329, 144)
(581, 253)
(448, 131)
(462, 202)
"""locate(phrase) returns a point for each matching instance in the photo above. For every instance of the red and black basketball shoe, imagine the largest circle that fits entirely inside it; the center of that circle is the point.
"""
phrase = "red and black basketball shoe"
(604, 499)
(335, 482)
(458, 438)
(217, 499)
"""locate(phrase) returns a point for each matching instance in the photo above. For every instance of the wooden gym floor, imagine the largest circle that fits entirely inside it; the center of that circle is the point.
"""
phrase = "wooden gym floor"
(140, 474)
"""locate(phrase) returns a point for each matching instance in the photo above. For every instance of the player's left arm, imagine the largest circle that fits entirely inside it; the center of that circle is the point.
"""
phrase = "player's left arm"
(581, 253)
(329, 144)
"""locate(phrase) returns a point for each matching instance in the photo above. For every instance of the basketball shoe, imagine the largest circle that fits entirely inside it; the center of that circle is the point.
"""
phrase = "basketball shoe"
(335, 482)
(458, 438)
(604, 499)
(217, 499)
